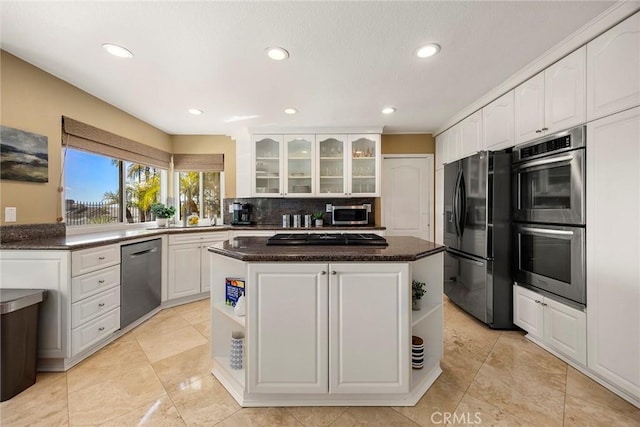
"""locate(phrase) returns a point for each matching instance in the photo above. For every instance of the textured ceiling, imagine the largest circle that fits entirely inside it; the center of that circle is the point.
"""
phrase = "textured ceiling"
(348, 59)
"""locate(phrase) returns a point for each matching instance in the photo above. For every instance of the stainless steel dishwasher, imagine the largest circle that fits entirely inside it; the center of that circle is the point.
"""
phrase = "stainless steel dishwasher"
(140, 281)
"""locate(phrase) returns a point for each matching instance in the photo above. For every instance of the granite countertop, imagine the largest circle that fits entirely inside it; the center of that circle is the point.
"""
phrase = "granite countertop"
(90, 240)
(255, 249)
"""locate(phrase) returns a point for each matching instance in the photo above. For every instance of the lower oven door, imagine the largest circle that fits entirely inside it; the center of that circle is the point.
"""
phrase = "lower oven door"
(551, 258)
(468, 282)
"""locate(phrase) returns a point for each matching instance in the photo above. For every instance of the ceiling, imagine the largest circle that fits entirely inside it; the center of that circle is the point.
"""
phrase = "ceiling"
(347, 60)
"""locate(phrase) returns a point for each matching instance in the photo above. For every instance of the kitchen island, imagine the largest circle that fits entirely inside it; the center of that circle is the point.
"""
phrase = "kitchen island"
(327, 325)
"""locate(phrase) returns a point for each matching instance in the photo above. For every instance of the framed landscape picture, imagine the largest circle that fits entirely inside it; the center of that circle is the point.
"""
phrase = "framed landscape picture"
(23, 156)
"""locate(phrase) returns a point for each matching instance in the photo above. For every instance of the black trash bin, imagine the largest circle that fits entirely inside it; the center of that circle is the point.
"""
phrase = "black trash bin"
(19, 339)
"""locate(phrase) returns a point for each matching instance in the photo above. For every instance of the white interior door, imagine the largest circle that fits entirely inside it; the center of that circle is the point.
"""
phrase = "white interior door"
(407, 196)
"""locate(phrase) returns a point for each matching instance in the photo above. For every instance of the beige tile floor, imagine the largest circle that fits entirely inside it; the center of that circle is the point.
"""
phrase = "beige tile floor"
(159, 375)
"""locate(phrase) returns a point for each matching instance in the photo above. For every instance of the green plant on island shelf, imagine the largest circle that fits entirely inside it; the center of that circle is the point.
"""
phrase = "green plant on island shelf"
(417, 289)
(162, 211)
(317, 215)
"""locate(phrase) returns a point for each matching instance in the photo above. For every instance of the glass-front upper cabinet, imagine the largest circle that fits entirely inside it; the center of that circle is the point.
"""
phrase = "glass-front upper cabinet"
(364, 165)
(268, 151)
(331, 164)
(299, 165)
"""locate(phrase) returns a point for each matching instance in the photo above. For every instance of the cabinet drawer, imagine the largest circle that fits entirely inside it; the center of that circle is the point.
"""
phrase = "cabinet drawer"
(93, 307)
(94, 259)
(198, 237)
(94, 283)
(94, 331)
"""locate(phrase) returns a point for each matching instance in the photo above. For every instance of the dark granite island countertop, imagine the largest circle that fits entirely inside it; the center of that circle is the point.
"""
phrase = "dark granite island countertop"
(255, 249)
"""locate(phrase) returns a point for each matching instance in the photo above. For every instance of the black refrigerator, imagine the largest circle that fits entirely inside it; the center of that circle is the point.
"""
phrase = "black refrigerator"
(477, 266)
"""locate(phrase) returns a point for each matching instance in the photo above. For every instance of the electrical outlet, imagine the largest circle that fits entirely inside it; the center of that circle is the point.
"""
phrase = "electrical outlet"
(231, 208)
(328, 207)
(10, 214)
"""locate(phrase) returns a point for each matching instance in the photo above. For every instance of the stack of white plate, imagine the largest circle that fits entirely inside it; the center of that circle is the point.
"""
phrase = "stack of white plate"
(417, 352)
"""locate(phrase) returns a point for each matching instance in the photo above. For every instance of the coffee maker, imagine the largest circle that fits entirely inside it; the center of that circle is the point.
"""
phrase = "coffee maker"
(241, 214)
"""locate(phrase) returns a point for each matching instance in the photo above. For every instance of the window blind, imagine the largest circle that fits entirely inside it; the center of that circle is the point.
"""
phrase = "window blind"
(198, 162)
(86, 137)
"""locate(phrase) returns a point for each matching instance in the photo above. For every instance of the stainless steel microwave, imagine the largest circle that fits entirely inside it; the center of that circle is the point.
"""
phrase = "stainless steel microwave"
(350, 215)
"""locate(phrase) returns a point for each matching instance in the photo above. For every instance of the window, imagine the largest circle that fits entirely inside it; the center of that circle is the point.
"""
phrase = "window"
(200, 193)
(94, 187)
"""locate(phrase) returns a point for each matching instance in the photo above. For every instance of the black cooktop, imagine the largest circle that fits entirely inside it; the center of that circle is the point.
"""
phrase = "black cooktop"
(353, 239)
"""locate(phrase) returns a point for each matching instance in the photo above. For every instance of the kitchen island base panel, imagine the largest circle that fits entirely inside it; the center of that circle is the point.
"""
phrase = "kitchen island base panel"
(422, 379)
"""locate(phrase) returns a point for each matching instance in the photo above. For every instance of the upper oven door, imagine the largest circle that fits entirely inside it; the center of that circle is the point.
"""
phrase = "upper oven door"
(550, 189)
(551, 258)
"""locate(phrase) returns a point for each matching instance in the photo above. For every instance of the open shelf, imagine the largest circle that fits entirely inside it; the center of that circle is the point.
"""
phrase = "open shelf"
(228, 311)
(236, 374)
(419, 315)
(418, 375)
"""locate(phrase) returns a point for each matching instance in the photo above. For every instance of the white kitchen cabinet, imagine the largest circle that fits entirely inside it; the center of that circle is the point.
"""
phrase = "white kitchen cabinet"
(363, 165)
(50, 270)
(613, 250)
(289, 343)
(268, 160)
(557, 326)
(95, 305)
(327, 311)
(471, 140)
(439, 199)
(367, 305)
(565, 92)
(332, 164)
(529, 109)
(497, 123)
(189, 268)
(316, 165)
(251, 233)
(299, 165)
(613, 70)
(441, 150)
(454, 144)
(552, 100)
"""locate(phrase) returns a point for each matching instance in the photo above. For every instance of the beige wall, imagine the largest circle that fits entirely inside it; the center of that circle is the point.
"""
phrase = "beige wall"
(211, 144)
(419, 143)
(34, 101)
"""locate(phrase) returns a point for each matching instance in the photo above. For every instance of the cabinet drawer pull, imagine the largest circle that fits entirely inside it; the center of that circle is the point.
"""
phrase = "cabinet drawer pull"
(538, 302)
(101, 328)
(100, 258)
(543, 304)
(539, 131)
(545, 129)
(101, 304)
(101, 281)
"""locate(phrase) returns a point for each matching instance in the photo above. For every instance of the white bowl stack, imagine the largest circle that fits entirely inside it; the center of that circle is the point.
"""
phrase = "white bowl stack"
(417, 352)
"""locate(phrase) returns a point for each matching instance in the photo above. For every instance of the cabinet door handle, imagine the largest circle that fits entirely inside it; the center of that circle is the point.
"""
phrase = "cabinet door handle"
(101, 304)
(101, 281)
(323, 272)
(334, 272)
(539, 131)
(545, 129)
(538, 302)
(543, 304)
(100, 258)
(101, 328)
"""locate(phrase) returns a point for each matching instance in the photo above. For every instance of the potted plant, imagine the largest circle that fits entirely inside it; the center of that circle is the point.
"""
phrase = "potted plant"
(417, 291)
(162, 213)
(317, 216)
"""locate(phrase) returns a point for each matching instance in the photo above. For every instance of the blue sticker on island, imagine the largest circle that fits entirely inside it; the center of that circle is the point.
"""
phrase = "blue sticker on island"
(234, 288)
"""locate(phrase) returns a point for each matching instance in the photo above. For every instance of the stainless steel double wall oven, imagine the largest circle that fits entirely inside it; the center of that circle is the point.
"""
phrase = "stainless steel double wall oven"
(548, 197)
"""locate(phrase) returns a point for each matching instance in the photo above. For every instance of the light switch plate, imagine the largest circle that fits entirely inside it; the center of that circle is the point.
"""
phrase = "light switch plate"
(10, 214)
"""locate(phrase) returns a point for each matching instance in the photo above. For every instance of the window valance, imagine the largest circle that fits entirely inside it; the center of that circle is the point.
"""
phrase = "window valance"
(198, 162)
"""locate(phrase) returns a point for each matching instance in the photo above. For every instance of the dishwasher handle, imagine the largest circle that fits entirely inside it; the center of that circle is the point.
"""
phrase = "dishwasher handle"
(144, 252)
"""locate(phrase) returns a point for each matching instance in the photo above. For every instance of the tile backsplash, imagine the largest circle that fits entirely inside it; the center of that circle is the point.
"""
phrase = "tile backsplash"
(269, 211)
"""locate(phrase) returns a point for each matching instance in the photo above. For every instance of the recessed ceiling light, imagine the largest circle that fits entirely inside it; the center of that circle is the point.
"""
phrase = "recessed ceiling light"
(118, 51)
(427, 50)
(290, 111)
(277, 53)
(388, 110)
(195, 111)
